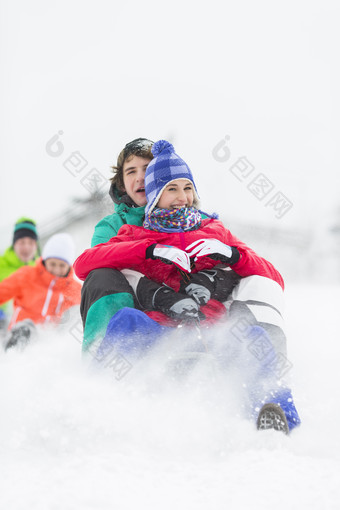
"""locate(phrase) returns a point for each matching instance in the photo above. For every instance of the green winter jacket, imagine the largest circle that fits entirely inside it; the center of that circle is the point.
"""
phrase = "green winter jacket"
(124, 214)
(101, 311)
(9, 263)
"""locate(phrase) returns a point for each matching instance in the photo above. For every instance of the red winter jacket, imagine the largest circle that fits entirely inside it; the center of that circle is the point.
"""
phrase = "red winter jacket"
(127, 251)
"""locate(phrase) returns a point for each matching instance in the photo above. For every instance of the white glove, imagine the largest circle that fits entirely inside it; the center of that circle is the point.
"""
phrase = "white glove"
(211, 248)
(170, 255)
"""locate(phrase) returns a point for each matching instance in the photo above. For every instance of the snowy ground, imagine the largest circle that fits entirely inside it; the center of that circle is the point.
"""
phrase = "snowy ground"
(71, 439)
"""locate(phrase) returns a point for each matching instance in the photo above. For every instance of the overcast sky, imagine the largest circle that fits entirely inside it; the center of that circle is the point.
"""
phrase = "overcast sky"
(263, 76)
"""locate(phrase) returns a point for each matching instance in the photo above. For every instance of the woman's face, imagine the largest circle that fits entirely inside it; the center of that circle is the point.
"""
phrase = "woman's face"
(133, 178)
(178, 193)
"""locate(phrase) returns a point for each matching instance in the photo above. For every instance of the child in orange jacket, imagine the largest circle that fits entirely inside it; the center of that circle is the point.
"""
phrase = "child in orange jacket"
(42, 293)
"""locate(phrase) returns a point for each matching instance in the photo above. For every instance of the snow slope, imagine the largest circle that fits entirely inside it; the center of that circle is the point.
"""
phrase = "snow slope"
(74, 439)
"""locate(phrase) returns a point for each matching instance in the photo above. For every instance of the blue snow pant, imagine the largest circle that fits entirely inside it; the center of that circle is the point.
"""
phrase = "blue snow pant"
(265, 384)
(131, 332)
(105, 291)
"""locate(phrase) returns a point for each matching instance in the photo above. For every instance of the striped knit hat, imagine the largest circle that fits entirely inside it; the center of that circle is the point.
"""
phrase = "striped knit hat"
(25, 227)
(164, 168)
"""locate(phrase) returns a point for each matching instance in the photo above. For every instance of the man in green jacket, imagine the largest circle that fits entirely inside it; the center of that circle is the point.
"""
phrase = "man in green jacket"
(23, 251)
(106, 290)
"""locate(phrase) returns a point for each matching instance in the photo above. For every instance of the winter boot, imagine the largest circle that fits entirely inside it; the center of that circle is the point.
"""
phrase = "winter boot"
(271, 416)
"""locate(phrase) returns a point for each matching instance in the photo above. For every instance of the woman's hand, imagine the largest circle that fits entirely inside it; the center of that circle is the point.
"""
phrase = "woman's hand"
(214, 249)
(169, 255)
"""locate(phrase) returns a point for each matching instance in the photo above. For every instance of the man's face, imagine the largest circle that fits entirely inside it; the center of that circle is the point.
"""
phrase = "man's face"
(25, 248)
(57, 267)
(133, 178)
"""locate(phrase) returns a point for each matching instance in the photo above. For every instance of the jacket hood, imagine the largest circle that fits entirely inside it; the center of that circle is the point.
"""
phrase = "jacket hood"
(120, 197)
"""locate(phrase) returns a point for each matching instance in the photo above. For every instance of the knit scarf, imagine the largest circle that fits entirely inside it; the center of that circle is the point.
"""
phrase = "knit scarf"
(173, 220)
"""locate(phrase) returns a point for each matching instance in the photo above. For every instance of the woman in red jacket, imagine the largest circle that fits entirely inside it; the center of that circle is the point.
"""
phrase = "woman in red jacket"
(42, 293)
(176, 247)
(180, 251)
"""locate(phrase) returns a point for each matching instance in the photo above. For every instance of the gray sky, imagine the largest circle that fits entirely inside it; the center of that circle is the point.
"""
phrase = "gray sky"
(264, 73)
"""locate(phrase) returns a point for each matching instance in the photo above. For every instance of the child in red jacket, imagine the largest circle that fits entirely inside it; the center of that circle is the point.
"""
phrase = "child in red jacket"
(42, 293)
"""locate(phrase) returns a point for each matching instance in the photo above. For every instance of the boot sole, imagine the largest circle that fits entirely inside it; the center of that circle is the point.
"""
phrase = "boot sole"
(271, 416)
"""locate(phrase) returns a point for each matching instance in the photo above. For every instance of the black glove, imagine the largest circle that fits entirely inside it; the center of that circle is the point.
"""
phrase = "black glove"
(200, 287)
(178, 306)
(153, 296)
(20, 334)
(210, 284)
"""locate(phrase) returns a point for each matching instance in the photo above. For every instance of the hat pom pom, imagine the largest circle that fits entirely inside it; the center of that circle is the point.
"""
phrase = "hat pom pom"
(160, 146)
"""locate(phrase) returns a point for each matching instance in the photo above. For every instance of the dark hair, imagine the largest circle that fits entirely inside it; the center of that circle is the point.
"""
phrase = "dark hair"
(139, 147)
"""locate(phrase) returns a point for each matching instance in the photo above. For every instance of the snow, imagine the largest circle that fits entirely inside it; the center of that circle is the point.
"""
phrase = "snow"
(74, 438)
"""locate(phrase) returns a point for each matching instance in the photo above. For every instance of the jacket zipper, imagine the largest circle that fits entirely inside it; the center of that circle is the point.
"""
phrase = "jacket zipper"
(48, 298)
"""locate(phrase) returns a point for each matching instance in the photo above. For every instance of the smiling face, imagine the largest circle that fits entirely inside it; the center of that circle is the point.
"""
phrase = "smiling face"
(133, 178)
(176, 194)
(57, 267)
